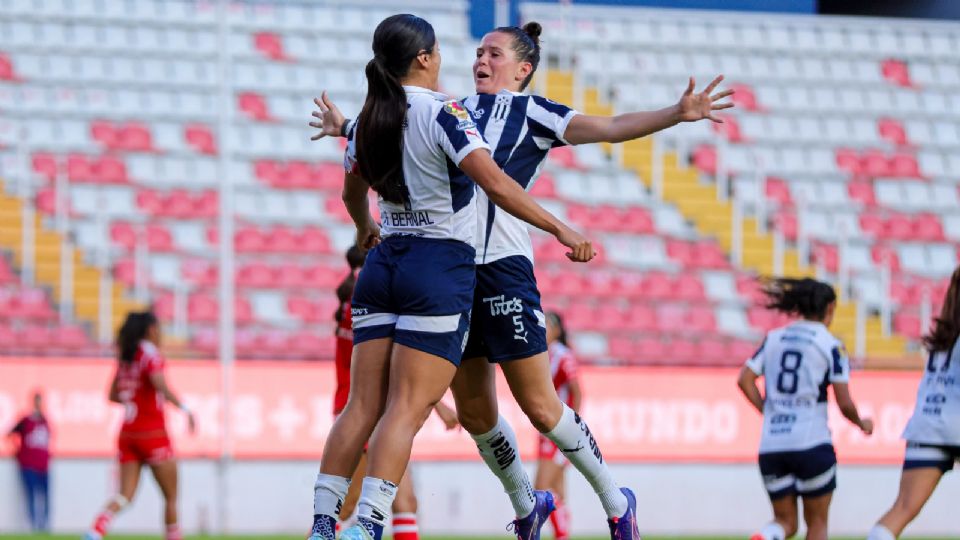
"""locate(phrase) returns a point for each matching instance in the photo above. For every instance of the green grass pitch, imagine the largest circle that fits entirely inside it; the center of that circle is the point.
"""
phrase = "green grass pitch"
(505, 536)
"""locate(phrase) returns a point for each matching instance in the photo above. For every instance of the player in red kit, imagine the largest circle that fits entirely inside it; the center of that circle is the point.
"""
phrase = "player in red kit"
(552, 465)
(405, 504)
(33, 459)
(140, 386)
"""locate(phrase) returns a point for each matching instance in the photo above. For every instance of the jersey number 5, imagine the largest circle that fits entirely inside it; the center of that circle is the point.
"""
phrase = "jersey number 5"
(789, 379)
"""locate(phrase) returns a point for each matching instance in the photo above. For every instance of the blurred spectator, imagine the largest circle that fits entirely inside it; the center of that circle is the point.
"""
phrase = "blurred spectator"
(33, 459)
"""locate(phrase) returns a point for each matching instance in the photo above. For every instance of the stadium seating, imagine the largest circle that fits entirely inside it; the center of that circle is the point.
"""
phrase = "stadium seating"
(123, 103)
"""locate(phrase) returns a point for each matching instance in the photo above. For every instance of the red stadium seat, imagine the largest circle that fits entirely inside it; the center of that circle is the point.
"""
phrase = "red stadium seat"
(671, 318)
(601, 283)
(149, 201)
(890, 129)
(896, 72)
(545, 186)
(200, 272)
(270, 45)
(313, 239)
(658, 285)
(700, 319)
(322, 276)
(883, 254)
(268, 170)
(786, 223)
(72, 337)
(689, 287)
(256, 274)
(159, 238)
(928, 227)
(281, 240)
(898, 226)
(744, 97)
(872, 225)
(705, 159)
(621, 348)
(47, 200)
(651, 351)
(712, 351)
(740, 351)
(711, 255)
(778, 190)
(637, 220)
(642, 318)
(178, 203)
(290, 275)
(254, 106)
(862, 191)
(125, 271)
(200, 138)
(111, 170)
(136, 137)
(6, 274)
(45, 164)
(751, 288)
(682, 251)
(565, 157)
(875, 163)
(207, 204)
(7, 71)
(328, 175)
(827, 256)
(730, 128)
(904, 165)
(79, 168)
(249, 239)
(908, 324)
(849, 160)
(104, 132)
(298, 174)
(123, 234)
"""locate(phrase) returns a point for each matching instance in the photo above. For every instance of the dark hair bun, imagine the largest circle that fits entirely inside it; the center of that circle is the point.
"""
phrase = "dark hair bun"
(533, 29)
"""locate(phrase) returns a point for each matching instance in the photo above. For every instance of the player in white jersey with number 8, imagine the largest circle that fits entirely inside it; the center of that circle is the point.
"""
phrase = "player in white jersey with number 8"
(933, 432)
(798, 362)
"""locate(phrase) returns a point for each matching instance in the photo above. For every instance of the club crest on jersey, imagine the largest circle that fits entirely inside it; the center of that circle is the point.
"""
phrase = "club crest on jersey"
(456, 109)
(478, 114)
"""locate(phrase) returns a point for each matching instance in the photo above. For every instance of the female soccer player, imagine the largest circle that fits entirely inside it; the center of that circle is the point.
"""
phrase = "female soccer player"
(405, 505)
(798, 363)
(141, 387)
(507, 325)
(411, 305)
(933, 432)
(552, 465)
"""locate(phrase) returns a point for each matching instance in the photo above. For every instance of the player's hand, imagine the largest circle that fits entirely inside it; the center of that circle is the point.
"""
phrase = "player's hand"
(695, 107)
(866, 426)
(448, 415)
(331, 119)
(368, 236)
(581, 249)
(191, 423)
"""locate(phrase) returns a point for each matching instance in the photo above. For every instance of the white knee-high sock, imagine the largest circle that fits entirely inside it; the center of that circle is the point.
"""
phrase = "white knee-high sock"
(328, 494)
(499, 450)
(573, 438)
(773, 531)
(879, 532)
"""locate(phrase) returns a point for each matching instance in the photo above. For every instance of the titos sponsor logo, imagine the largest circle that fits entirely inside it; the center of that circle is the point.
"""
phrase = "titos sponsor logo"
(501, 306)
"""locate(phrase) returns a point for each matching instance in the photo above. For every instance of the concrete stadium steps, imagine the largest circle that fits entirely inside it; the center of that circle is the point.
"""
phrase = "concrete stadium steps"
(713, 217)
(86, 278)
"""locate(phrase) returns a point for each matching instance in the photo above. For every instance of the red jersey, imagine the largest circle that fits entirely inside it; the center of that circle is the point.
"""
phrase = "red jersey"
(34, 451)
(344, 352)
(563, 369)
(143, 403)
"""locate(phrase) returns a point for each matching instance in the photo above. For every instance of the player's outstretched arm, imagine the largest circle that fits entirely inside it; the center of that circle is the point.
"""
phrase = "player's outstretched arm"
(354, 197)
(584, 129)
(506, 193)
(160, 383)
(748, 385)
(849, 408)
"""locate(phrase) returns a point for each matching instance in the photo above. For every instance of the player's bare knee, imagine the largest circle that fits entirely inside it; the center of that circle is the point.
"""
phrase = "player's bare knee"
(476, 421)
(542, 413)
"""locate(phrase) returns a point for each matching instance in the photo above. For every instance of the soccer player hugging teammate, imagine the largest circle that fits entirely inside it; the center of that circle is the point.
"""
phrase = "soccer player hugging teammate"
(411, 305)
(405, 505)
(798, 362)
(933, 432)
(508, 326)
(141, 387)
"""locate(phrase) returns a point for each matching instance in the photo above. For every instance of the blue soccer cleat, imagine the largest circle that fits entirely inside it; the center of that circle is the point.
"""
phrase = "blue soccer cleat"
(529, 527)
(91, 535)
(625, 526)
(356, 532)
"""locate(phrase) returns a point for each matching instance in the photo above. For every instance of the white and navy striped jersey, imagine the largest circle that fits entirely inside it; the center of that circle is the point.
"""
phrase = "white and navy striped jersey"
(798, 363)
(437, 135)
(936, 417)
(521, 129)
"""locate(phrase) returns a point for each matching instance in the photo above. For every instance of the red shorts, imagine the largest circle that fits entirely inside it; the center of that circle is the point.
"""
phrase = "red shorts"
(151, 450)
(547, 451)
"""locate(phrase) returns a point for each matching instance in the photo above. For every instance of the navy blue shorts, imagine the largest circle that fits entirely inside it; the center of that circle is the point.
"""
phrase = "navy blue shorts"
(808, 473)
(508, 322)
(920, 455)
(419, 292)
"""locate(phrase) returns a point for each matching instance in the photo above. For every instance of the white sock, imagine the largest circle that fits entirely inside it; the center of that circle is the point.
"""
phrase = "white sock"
(328, 494)
(573, 438)
(879, 532)
(376, 500)
(498, 448)
(773, 531)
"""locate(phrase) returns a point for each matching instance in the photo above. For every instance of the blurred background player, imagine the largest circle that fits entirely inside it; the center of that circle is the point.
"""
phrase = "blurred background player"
(798, 363)
(405, 505)
(33, 459)
(933, 432)
(507, 326)
(141, 387)
(551, 464)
